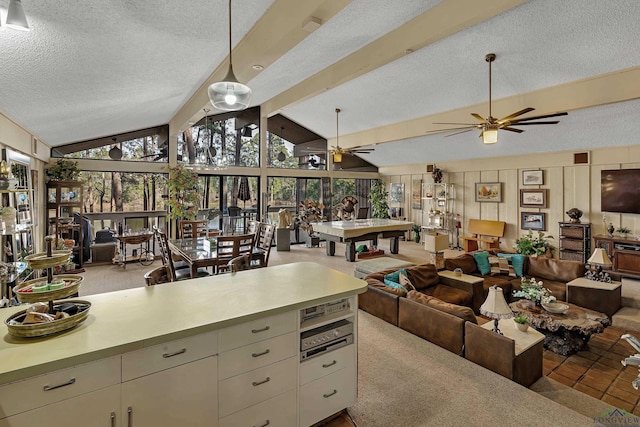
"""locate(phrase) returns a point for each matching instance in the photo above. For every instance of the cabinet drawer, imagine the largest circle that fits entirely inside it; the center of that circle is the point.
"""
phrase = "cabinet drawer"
(575, 232)
(247, 389)
(327, 395)
(253, 356)
(58, 385)
(277, 411)
(320, 366)
(164, 356)
(256, 330)
(572, 244)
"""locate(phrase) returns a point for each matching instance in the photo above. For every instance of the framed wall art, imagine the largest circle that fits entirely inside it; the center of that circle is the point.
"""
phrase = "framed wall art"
(416, 194)
(533, 177)
(533, 198)
(489, 192)
(533, 221)
(397, 192)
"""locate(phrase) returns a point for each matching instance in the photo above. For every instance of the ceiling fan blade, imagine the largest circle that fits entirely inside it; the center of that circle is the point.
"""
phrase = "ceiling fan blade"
(470, 127)
(516, 114)
(540, 117)
(512, 129)
(479, 117)
(462, 131)
(362, 150)
(552, 122)
(450, 123)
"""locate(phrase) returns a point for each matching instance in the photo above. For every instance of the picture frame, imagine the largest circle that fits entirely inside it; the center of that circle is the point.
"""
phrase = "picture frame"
(533, 221)
(396, 194)
(533, 177)
(488, 192)
(533, 198)
(416, 194)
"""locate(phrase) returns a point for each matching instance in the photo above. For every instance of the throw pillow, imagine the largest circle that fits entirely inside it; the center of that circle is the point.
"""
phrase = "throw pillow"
(393, 279)
(517, 262)
(482, 260)
(394, 285)
(501, 265)
(406, 283)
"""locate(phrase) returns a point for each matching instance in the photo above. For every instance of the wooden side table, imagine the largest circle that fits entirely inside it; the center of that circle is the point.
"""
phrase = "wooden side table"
(524, 340)
(599, 296)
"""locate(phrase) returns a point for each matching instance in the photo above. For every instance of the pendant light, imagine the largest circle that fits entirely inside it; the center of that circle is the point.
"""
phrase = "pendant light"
(211, 150)
(337, 154)
(115, 153)
(229, 94)
(16, 19)
(281, 156)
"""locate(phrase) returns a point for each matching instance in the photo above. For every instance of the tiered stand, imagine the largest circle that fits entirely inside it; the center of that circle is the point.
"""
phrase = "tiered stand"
(48, 261)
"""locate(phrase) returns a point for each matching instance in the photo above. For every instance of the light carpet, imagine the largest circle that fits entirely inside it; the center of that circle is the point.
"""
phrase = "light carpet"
(407, 381)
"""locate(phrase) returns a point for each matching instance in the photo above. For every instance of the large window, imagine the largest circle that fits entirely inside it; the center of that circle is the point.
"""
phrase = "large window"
(287, 193)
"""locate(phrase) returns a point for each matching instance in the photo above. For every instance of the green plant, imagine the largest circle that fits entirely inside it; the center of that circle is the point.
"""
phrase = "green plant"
(529, 244)
(378, 197)
(417, 228)
(521, 318)
(183, 193)
(534, 291)
(623, 230)
(63, 170)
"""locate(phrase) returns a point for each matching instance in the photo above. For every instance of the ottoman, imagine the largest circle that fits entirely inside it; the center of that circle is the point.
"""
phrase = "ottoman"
(377, 264)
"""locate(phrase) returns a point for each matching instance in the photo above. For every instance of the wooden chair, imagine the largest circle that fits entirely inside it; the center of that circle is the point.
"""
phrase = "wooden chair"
(156, 276)
(230, 247)
(265, 233)
(175, 274)
(363, 213)
(484, 233)
(193, 229)
(240, 263)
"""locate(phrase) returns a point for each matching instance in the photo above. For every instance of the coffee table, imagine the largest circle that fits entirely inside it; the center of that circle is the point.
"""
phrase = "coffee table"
(566, 333)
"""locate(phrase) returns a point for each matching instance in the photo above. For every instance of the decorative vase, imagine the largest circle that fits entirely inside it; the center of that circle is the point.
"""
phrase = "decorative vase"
(522, 327)
(610, 229)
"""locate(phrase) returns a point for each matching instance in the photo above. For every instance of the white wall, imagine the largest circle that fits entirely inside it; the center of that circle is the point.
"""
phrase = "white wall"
(568, 185)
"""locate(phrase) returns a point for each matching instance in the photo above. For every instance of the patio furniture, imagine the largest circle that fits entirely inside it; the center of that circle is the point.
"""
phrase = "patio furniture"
(192, 229)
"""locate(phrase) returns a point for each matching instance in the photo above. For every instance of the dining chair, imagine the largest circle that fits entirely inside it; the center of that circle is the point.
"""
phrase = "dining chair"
(193, 229)
(265, 233)
(183, 272)
(240, 263)
(156, 276)
(229, 247)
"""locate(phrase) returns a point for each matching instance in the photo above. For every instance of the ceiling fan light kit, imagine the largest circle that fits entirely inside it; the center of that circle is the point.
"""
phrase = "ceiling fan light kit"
(16, 18)
(229, 94)
(489, 126)
(337, 152)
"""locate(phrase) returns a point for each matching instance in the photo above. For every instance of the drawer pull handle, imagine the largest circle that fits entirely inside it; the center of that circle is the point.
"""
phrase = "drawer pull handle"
(257, 383)
(256, 331)
(175, 353)
(53, 387)
(129, 416)
(327, 365)
(113, 419)
(330, 394)
(265, 424)
(260, 354)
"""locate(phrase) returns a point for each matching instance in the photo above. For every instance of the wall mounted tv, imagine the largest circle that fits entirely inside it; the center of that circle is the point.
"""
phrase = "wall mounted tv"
(620, 190)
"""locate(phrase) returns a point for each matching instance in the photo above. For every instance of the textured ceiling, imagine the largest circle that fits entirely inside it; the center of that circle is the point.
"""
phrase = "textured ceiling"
(95, 68)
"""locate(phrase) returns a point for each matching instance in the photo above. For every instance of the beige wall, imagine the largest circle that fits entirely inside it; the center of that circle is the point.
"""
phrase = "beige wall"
(567, 185)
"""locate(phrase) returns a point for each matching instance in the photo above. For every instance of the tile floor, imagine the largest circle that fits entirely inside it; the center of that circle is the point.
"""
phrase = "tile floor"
(597, 370)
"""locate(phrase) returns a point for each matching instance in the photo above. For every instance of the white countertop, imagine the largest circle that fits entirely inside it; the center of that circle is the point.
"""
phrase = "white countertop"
(131, 319)
(358, 227)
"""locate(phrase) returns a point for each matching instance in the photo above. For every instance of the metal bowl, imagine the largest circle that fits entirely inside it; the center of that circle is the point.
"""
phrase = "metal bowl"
(555, 307)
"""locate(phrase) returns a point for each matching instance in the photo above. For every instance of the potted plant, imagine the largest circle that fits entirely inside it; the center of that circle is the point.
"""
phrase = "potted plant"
(531, 244)
(522, 322)
(417, 229)
(625, 231)
(378, 197)
(183, 193)
(63, 170)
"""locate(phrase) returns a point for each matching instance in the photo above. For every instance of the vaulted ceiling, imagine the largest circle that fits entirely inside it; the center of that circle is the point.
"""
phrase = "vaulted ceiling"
(92, 69)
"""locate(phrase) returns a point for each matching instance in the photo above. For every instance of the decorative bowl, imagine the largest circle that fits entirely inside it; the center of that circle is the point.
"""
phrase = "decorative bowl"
(555, 307)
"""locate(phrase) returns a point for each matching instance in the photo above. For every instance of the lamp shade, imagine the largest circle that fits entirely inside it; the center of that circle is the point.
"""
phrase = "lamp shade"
(490, 135)
(16, 18)
(337, 157)
(229, 94)
(599, 257)
(495, 306)
(436, 242)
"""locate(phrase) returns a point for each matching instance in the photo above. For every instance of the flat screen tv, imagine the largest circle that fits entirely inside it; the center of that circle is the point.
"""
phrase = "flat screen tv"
(620, 190)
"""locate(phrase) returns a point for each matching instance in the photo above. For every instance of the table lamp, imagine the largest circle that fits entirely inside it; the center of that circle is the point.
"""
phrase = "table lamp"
(435, 244)
(599, 258)
(496, 307)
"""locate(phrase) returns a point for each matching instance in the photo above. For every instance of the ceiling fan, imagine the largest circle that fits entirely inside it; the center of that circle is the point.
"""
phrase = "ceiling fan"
(489, 126)
(337, 151)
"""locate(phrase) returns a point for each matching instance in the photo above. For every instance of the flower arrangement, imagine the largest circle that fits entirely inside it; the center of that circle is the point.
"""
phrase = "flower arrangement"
(624, 231)
(534, 291)
(308, 212)
(183, 193)
(533, 245)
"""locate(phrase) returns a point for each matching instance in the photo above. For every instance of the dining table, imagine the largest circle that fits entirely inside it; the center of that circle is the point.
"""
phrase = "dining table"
(200, 252)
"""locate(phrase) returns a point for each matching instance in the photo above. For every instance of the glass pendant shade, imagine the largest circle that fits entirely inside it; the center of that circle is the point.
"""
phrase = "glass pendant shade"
(337, 157)
(229, 94)
(281, 157)
(490, 136)
(16, 19)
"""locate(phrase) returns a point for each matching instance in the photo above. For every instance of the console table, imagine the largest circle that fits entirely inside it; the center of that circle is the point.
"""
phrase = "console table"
(625, 254)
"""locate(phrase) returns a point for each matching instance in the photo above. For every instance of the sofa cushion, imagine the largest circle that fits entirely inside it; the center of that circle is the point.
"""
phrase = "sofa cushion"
(376, 283)
(423, 276)
(517, 261)
(553, 269)
(394, 285)
(405, 282)
(464, 313)
(482, 261)
(466, 262)
(393, 280)
(501, 266)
